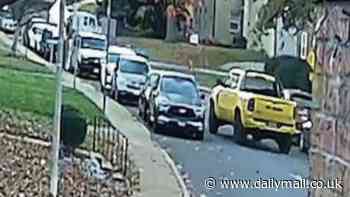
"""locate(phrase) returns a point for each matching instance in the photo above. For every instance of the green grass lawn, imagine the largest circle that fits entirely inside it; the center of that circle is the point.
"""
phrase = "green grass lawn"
(19, 63)
(30, 87)
(21, 90)
(180, 53)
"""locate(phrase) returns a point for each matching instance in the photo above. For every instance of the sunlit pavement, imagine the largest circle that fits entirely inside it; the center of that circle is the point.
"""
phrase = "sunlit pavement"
(219, 157)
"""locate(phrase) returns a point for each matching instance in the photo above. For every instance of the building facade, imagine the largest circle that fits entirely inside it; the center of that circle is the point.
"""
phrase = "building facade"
(278, 41)
(220, 20)
(330, 138)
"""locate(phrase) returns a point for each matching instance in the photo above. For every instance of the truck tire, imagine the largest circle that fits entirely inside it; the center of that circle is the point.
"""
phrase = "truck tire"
(239, 130)
(213, 122)
(284, 142)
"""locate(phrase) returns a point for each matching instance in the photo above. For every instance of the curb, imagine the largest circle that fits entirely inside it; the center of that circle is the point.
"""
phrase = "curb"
(179, 179)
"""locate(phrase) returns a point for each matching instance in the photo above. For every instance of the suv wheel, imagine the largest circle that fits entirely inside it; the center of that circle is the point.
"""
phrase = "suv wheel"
(213, 122)
(284, 143)
(239, 130)
(155, 126)
(116, 95)
(200, 136)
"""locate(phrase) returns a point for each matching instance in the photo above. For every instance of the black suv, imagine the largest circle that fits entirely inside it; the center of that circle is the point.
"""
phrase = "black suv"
(171, 102)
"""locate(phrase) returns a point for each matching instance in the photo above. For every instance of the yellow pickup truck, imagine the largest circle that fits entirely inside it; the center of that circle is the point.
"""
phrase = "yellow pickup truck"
(253, 103)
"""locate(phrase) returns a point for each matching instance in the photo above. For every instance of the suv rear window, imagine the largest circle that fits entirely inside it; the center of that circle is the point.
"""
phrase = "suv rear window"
(134, 67)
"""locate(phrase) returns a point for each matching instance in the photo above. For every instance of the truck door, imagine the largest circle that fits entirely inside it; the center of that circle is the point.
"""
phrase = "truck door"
(228, 98)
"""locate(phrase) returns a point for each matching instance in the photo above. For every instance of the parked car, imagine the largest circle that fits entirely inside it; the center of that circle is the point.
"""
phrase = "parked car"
(171, 101)
(253, 103)
(130, 77)
(7, 21)
(35, 32)
(88, 53)
(108, 70)
(304, 124)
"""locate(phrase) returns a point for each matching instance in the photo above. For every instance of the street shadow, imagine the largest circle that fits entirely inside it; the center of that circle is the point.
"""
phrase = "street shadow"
(267, 145)
(88, 76)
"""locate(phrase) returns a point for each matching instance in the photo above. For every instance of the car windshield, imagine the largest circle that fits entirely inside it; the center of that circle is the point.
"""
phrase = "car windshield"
(113, 57)
(93, 43)
(134, 67)
(179, 86)
(260, 85)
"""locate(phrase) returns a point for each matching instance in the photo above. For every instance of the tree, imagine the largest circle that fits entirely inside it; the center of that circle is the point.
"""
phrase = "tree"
(297, 14)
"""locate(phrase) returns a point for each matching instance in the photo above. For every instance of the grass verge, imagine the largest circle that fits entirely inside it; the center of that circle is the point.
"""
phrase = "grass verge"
(181, 53)
(21, 90)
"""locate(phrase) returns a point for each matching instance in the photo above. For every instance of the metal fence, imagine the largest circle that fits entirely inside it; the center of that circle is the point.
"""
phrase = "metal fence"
(103, 138)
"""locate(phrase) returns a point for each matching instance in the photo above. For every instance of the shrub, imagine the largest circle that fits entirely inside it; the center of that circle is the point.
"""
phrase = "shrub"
(73, 127)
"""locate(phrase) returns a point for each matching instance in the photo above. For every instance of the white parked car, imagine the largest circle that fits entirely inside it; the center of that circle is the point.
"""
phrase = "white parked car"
(35, 34)
(107, 70)
(7, 22)
(130, 77)
(88, 53)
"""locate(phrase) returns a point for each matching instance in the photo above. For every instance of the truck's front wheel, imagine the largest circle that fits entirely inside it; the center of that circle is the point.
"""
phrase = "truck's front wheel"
(213, 123)
(284, 142)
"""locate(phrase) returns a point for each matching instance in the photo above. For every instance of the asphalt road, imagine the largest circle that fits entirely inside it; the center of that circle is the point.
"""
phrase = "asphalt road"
(219, 157)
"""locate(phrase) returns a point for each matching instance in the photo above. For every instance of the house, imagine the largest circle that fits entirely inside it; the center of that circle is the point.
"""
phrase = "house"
(278, 41)
(330, 48)
(220, 20)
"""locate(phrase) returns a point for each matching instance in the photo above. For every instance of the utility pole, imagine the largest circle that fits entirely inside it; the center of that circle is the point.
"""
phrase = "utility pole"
(109, 7)
(76, 6)
(58, 109)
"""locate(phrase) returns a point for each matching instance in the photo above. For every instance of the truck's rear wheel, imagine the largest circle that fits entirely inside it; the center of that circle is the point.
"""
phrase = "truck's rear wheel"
(213, 122)
(239, 130)
(284, 143)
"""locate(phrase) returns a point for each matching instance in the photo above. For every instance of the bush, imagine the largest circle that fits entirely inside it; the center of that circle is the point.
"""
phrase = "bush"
(73, 127)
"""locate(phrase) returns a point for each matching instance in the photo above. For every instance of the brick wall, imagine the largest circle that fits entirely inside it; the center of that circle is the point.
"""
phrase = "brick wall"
(330, 153)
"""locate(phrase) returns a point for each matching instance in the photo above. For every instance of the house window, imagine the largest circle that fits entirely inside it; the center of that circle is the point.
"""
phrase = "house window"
(303, 45)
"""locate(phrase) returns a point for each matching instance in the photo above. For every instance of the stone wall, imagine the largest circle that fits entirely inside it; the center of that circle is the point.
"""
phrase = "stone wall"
(330, 139)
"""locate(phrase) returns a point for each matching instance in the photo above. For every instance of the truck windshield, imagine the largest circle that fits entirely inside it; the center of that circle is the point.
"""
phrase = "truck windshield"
(134, 67)
(260, 85)
(179, 86)
(93, 43)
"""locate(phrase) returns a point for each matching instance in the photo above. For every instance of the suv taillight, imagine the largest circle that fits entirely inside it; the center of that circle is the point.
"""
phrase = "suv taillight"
(251, 105)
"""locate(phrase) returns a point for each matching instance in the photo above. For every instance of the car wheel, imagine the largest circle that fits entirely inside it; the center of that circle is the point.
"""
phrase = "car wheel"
(102, 88)
(200, 136)
(239, 130)
(116, 95)
(155, 125)
(144, 114)
(213, 123)
(284, 143)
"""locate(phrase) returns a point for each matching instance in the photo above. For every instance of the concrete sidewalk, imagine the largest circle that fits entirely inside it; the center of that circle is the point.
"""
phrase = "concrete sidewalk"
(158, 178)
